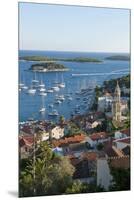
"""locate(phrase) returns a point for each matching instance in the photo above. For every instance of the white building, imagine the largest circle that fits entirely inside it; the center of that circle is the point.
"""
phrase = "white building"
(57, 132)
(104, 102)
(104, 177)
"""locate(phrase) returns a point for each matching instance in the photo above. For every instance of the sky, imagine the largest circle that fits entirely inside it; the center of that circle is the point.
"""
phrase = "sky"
(73, 28)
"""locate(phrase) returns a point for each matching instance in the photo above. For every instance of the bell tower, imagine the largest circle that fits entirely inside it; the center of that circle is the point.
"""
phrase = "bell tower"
(116, 107)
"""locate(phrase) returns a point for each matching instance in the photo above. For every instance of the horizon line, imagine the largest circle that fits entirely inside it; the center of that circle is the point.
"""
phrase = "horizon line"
(74, 51)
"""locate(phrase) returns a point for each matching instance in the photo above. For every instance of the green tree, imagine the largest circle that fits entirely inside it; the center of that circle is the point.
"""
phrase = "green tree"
(121, 179)
(46, 174)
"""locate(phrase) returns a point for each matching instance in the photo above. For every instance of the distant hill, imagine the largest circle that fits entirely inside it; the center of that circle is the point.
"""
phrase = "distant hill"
(119, 57)
(46, 59)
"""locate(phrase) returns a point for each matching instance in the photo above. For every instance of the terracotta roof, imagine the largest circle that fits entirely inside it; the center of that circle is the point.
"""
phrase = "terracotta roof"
(69, 140)
(120, 162)
(26, 140)
(97, 136)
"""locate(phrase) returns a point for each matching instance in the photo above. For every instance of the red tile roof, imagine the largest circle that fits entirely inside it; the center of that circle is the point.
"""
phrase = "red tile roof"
(26, 140)
(120, 162)
(97, 136)
(69, 140)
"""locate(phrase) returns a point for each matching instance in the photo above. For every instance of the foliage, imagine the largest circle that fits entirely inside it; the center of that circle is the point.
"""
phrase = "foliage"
(46, 174)
(111, 84)
(100, 146)
(79, 187)
(48, 66)
(119, 57)
(44, 58)
(121, 179)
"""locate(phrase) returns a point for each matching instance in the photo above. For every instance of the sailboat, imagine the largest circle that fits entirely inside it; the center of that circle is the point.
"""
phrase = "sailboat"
(31, 90)
(42, 89)
(35, 79)
(55, 87)
(41, 84)
(42, 110)
(62, 84)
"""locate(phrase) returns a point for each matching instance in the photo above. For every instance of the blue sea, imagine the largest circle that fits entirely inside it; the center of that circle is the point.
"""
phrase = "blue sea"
(80, 76)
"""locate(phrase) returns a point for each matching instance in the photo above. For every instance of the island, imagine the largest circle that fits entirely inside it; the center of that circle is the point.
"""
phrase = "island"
(48, 67)
(119, 57)
(50, 59)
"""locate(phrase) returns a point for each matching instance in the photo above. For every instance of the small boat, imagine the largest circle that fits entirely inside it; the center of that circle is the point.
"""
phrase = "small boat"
(31, 90)
(19, 89)
(53, 113)
(62, 85)
(42, 89)
(24, 87)
(55, 88)
(21, 85)
(42, 110)
(42, 94)
(49, 91)
(60, 97)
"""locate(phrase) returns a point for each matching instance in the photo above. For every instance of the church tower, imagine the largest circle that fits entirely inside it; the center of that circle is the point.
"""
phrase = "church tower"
(116, 107)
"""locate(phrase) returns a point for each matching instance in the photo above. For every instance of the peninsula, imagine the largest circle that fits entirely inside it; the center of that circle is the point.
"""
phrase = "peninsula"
(47, 59)
(48, 67)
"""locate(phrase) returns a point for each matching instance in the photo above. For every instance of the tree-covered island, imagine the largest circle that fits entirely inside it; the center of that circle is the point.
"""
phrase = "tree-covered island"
(47, 67)
(49, 59)
(119, 57)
